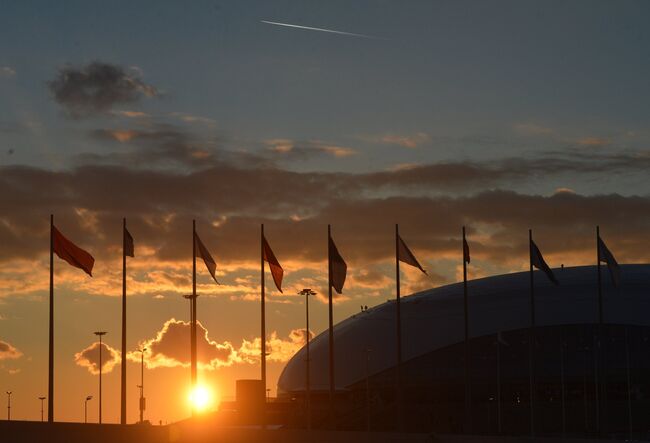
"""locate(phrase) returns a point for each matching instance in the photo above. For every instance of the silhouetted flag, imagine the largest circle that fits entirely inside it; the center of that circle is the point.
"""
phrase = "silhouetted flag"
(607, 257)
(274, 264)
(129, 250)
(405, 255)
(203, 252)
(339, 268)
(73, 254)
(466, 251)
(538, 261)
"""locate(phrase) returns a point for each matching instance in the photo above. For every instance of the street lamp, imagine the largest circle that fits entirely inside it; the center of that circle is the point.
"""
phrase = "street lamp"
(41, 399)
(307, 292)
(100, 334)
(141, 385)
(8, 405)
(90, 397)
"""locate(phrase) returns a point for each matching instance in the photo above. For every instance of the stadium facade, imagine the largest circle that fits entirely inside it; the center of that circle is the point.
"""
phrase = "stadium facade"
(572, 395)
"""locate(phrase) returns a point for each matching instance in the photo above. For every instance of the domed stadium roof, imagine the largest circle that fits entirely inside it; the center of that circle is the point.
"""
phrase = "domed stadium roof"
(433, 319)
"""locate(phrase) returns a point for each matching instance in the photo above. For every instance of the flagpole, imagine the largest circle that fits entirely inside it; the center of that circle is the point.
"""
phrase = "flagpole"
(531, 337)
(50, 378)
(263, 324)
(123, 363)
(399, 333)
(332, 392)
(468, 395)
(598, 369)
(193, 329)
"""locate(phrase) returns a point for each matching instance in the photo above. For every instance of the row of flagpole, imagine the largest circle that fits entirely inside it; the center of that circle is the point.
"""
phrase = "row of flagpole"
(337, 271)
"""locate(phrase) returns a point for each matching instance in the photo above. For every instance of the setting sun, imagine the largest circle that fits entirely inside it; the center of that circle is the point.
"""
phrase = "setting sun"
(201, 398)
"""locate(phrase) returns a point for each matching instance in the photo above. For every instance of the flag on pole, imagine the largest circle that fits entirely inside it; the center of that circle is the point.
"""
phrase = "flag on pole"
(73, 254)
(465, 251)
(607, 257)
(338, 266)
(405, 255)
(129, 250)
(538, 261)
(274, 264)
(203, 252)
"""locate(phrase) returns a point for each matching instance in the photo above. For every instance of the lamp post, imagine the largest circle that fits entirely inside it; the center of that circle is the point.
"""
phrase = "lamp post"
(307, 292)
(41, 399)
(88, 398)
(8, 405)
(100, 334)
(141, 385)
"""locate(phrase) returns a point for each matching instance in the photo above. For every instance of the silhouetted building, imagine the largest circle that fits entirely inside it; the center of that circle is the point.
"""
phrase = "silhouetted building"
(566, 358)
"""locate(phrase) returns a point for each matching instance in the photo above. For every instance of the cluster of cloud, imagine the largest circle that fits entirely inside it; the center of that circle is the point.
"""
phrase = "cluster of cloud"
(8, 351)
(97, 87)
(161, 177)
(7, 72)
(89, 358)
(296, 150)
(171, 348)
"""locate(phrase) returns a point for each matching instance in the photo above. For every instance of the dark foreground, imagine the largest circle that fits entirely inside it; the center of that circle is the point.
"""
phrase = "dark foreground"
(204, 431)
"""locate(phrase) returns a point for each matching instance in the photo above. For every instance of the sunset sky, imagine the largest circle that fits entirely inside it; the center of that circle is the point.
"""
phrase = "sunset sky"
(501, 115)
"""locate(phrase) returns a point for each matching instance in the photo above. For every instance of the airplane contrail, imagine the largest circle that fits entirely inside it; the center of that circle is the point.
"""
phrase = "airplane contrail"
(332, 31)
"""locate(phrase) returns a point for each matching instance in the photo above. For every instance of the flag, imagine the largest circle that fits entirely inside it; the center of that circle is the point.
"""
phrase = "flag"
(405, 255)
(128, 244)
(537, 260)
(274, 264)
(465, 251)
(73, 254)
(607, 257)
(202, 251)
(338, 267)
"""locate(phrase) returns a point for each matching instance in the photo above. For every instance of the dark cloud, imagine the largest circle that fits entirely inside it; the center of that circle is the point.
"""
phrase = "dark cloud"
(230, 202)
(95, 88)
(8, 352)
(89, 358)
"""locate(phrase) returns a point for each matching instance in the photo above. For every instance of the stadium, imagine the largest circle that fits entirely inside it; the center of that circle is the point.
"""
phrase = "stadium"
(567, 349)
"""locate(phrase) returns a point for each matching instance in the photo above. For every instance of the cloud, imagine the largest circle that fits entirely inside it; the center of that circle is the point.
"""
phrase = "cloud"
(7, 72)
(406, 141)
(130, 114)
(8, 352)
(303, 150)
(278, 349)
(170, 348)
(97, 87)
(89, 358)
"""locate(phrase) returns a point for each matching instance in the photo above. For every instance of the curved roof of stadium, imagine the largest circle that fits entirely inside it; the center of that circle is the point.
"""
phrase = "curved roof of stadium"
(433, 319)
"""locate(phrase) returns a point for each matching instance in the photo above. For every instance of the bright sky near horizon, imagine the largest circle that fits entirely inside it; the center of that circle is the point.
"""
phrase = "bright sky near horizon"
(502, 116)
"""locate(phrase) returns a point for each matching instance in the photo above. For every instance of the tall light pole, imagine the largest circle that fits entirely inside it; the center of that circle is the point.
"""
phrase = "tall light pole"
(100, 334)
(141, 385)
(88, 398)
(41, 399)
(307, 292)
(8, 405)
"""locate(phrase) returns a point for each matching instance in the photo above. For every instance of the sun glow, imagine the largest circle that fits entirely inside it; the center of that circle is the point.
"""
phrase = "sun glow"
(201, 398)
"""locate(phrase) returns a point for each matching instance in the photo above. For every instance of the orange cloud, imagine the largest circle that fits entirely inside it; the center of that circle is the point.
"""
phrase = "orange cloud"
(8, 352)
(170, 348)
(89, 358)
